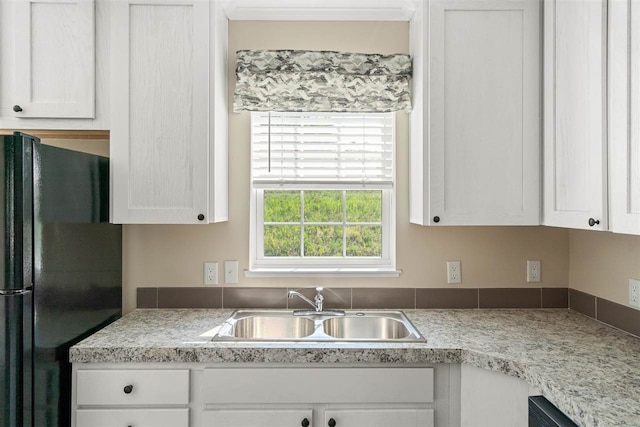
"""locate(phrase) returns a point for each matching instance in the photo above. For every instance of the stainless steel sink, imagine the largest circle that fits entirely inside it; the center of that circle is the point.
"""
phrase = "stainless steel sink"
(273, 327)
(366, 327)
(353, 326)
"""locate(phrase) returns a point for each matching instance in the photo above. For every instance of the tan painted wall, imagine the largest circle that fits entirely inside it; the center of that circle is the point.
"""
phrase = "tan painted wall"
(602, 263)
(157, 255)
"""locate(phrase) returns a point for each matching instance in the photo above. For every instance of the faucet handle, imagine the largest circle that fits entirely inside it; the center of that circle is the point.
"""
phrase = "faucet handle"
(319, 289)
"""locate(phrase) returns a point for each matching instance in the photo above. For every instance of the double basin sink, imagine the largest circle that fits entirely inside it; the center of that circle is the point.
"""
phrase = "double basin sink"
(349, 326)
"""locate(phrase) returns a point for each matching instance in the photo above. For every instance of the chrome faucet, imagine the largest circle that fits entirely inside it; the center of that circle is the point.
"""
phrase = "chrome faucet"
(317, 302)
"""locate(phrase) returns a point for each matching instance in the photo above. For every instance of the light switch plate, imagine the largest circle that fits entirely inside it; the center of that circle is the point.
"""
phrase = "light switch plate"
(231, 272)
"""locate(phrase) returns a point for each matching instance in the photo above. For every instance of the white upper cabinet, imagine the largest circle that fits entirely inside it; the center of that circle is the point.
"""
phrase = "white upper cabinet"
(475, 127)
(624, 116)
(575, 172)
(54, 54)
(55, 59)
(168, 119)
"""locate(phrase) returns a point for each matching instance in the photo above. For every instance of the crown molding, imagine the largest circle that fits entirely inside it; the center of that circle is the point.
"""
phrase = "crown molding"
(320, 10)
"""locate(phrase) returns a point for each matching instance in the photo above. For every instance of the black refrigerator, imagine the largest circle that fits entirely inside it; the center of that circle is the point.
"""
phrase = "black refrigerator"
(62, 281)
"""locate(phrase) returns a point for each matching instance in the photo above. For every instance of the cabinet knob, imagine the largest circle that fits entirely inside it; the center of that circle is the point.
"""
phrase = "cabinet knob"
(332, 422)
(200, 217)
(593, 222)
(436, 219)
(305, 423)
(128, 389)
(17, 108)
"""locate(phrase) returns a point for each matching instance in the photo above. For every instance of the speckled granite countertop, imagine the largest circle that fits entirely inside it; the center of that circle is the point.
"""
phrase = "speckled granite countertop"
(589, 370)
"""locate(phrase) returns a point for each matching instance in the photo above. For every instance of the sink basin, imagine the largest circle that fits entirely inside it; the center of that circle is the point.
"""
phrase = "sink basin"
(273, 327)
(284, 325)
(365, 327)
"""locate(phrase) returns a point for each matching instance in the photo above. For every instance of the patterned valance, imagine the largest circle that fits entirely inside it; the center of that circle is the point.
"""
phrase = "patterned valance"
(300, 80)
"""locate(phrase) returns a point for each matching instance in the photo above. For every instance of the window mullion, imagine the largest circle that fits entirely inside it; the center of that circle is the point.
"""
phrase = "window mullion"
(344, 224)
(302, 223)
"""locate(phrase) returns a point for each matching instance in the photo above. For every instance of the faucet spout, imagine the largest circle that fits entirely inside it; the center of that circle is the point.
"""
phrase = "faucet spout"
(317, 302)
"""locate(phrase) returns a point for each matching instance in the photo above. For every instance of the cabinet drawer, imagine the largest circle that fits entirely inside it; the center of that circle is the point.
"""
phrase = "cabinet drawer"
(132, 417)
(151, 387)
(319, 385)
(257, 417)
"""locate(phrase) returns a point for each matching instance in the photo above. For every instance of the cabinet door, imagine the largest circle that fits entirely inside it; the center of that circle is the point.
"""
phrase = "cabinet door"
(258, 418)
(54, 59)
(159, 111)
(483, 129)
(575, 174)
(378, 417)
(624, 116)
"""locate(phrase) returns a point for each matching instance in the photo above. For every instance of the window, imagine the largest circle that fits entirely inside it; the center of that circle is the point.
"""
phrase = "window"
(322, 192)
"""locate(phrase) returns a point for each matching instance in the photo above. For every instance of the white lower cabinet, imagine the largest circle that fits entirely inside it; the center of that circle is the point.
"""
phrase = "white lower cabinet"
(308, 397)
(305, 395)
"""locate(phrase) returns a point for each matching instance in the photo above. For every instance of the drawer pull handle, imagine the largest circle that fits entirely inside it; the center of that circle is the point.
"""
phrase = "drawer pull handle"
(305, 423)
(128, 389)
(17, 108)
(436, 219)
(332, 422)
(593, 222)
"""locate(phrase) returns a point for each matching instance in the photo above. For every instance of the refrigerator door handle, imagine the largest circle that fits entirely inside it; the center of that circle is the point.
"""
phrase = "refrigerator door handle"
(14, 292)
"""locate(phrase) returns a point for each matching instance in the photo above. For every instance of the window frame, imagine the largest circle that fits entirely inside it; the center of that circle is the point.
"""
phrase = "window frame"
(385, 265)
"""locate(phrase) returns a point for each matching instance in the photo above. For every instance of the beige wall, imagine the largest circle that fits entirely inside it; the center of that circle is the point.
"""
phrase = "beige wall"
(157, 255)
(602, 263)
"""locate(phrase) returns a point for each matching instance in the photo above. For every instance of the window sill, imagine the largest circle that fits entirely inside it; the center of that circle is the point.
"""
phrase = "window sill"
(321, 272)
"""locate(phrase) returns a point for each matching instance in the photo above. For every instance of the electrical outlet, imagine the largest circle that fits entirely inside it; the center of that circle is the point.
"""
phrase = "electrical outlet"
(454, 274)
(634, 293)
(533, 271)
(231, 272)
(210, 273)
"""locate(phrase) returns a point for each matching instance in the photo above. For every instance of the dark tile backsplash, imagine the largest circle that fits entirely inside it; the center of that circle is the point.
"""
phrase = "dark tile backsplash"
(619, 316)
(582, 303)
(255, 298)
(189, 297)
(510, 298)
(446, 298)
(392, 298)
(346, 298)
(555, 298)
(147, 297)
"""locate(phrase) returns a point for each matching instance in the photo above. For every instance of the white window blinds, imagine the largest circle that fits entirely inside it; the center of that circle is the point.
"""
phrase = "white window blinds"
(322, 150)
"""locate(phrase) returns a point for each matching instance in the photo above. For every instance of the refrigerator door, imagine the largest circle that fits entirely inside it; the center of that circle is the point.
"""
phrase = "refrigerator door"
(16, 213)
(77, 269)
(16, 299)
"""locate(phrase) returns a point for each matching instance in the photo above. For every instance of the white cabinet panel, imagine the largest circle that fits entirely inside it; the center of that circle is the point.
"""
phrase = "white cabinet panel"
(624, 116)
(379, 417)
(159, 111)
(492, 399)
(481, 91)
(132, 417)
(258, 418)
(575, 177)
(55, 57)
(331, 385)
